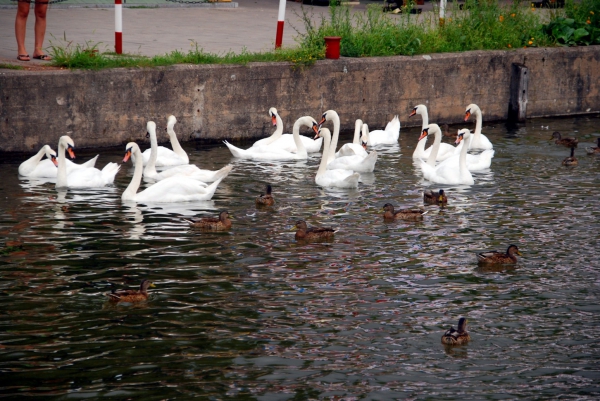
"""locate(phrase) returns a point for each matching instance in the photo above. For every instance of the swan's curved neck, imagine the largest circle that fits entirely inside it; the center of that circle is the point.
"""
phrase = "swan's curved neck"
(357, 132)
(131, 190)
(175, 143)
(326, 145)
(478, 123)
(278, 130)
(301, 150)
(29, 165)
(61, 174)
(425, 116)
(462, 161)
(436, 146)
(150, 168)
(421, 144)
(334, 139)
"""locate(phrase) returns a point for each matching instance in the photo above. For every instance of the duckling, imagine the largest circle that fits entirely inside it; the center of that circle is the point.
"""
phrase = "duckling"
(429, 198)
(131, 295)
(405, 214)
(568, 142)
(457, 337)
(594, 150)
(211, 223)
(311, 234)
(266, 199)
(571, 160)
(496, 257)
(446, 132)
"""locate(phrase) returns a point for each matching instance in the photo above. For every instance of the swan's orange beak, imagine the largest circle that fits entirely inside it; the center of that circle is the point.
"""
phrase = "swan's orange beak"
(71, 152)
(322, 120)
(460, 138)
(53, 158)
(364, 145)
(127, 155)
(467, 115)
(274, 120)
(424, 133)
(412, 113)
(315, 128)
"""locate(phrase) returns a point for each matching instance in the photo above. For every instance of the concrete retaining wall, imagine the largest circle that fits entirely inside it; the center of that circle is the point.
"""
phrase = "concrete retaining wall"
(213, 102)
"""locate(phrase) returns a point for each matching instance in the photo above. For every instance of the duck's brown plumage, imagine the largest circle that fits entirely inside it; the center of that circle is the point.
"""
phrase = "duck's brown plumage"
(266, 199)
(211, 223)
(446, 132)
(594, 150)
(458, 336)
(313, 233)
(571, 160)
(432, 198)
(131, 295)
(496, 257)
(568, 142)
(405, 214)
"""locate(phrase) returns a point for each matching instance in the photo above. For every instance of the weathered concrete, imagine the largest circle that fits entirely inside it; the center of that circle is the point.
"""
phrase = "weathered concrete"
(111, 107)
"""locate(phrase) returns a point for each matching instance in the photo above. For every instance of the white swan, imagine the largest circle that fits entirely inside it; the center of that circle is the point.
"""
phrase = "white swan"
(89, 177)
(333, 178)
(359, 163)
(173, 189)
(450, 174)
(479, 141)
(34, 167)
(268, 153)
(445, 150)
(354, 148)
(388, 136)
(189, 170)
(477, 162)
(166, 156)
(286, 141)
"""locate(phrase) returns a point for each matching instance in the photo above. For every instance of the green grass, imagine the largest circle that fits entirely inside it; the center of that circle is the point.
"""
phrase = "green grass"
(11, 66)
(482, 25)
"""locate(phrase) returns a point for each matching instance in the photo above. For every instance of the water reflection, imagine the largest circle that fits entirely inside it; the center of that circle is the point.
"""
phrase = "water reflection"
(251, 313)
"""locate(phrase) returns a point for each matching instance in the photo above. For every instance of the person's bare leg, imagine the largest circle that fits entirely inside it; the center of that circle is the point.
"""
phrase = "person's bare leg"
(40, 28)
(21, 26)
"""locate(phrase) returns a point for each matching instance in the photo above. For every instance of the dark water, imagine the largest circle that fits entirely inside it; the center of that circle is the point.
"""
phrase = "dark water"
(251, 314)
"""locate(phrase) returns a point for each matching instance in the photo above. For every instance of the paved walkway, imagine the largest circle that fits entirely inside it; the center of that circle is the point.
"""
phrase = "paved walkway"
(215, 27)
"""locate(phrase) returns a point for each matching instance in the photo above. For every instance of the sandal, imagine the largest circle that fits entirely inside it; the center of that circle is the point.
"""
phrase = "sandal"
(23, 57)
(44, 57)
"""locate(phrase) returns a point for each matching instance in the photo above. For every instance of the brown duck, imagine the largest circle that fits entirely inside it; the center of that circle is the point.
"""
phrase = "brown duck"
(131, 295)
(571, 160)
(266, 199)
(594, 150)
(313, 233)
(568, 142)
(212, 223)
(453, 336)
(404, 214)
(498, 258)
(431, 198)
(446, 132)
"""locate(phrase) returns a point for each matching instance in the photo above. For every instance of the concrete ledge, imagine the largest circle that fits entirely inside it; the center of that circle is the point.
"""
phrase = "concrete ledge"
(216, 102)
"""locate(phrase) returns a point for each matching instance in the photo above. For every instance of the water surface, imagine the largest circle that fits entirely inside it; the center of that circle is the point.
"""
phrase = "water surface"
(251, 314)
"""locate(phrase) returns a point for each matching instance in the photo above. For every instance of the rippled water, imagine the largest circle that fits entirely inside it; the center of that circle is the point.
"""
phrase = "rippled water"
(251, 314)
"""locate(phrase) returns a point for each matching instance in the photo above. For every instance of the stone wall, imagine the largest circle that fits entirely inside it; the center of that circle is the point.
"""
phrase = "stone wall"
(215, 102)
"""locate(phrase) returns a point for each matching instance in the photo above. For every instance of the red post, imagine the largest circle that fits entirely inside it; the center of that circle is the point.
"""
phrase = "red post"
(280, 21)
(118, 27)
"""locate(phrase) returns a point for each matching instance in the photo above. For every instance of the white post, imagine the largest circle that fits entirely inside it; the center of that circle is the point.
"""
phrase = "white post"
(442, 12)
(280, 21)
(118, 27)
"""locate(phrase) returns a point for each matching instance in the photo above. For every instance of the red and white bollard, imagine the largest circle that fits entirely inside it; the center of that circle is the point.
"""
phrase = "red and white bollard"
(280, 21)
(118, 27)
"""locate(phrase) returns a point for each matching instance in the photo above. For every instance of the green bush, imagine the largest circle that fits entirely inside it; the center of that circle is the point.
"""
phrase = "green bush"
(581, 26)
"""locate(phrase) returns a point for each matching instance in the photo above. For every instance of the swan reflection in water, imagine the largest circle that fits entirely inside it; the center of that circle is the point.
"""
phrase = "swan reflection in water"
(134, 216)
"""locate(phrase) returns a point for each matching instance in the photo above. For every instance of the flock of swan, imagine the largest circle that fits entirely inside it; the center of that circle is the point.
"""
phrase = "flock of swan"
(180, 181)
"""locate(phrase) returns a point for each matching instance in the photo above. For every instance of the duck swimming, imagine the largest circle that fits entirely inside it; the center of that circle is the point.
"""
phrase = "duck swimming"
(313, 233)
(457, 337)
(431, 198)
(571, 160)
(568, 142)
(594, 150)
(212, 223)
(404, 214)
(131, 295)
(266, 199)
(496, 257)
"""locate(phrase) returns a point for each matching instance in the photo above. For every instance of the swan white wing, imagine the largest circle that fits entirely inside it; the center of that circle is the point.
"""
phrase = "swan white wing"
(445, 151)
(446, 174)
(192, 171)
(46, 169)
(338, 178)
(481, 142)
(166, 157)
(355, 163)
(286, 142)
(177, 189)
(262, 153)
(91, 177)
(351, 149)
(478, 162)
